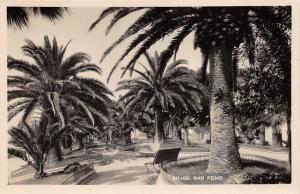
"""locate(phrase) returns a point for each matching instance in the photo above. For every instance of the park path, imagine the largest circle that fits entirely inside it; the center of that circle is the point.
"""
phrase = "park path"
(121, 167)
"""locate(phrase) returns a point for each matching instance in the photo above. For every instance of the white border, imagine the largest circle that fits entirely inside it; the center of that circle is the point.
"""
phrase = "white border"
(282, 189)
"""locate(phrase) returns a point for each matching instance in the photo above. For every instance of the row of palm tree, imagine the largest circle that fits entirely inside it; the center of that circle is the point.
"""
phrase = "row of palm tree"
(163, 90)
(219, 32)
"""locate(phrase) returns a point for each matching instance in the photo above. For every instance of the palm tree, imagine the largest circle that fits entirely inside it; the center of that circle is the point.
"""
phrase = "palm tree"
(138, 119)
(219, 31)
(19, 16)
(52, 83)
(276, 121)
(37, 141)
(164, 90)
(80, 126)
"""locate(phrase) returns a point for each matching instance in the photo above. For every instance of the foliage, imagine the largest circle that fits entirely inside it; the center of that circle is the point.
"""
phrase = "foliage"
(169, 88)
(164, 89)
(122, 124)
(264, 87)
(263, 95)
(53, 83)
(19, 16)
(36, 141)
(211, 25)
(19, 153)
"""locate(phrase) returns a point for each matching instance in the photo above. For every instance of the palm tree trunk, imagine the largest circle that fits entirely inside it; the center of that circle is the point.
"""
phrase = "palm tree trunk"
(224, 154)
(68, 142)
(57, 109)
(289, 140)
(64, 142)
(127, 136)
(156, 137)
(262, 135)
(80, 142)
(110, 138)
(179, 135)
(40, 170)
(55, 154)
(174, 133)
(160, 122)
(276, 139)
(186, 137)
(208, 140)
(159, 126)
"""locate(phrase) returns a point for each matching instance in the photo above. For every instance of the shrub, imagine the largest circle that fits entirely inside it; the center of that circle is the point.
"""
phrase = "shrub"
(255, 178)
(36, 142)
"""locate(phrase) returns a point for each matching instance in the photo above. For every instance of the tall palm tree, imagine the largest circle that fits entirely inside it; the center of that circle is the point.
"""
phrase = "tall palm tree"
(219, 31)
(51, 84)
(164, 90)
(19, 16)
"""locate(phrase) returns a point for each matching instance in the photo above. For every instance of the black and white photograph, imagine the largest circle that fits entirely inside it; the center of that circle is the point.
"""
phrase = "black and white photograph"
(149, 95)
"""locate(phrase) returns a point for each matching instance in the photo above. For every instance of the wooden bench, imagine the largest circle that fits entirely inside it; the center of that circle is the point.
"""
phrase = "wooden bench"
(163, 156)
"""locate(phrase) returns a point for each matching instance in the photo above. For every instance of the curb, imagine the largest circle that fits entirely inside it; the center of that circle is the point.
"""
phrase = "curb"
(82, 179)
(167, 179)
(20, 178)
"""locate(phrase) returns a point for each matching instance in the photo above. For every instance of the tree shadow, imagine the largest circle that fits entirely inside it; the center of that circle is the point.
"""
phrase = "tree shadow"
(133, 174)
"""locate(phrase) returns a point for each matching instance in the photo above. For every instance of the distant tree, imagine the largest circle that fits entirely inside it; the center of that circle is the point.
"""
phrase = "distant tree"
(182, 118)
(264, 92)
(161, 87)
(122, 123)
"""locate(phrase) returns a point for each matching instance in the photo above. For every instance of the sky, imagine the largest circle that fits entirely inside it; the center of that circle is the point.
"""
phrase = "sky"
(75, 25)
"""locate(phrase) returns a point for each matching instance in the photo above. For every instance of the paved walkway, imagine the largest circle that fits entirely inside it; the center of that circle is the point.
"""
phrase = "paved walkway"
(121, 167)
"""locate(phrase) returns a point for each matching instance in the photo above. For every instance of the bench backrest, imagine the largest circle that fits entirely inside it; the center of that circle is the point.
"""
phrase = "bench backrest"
(164, 155)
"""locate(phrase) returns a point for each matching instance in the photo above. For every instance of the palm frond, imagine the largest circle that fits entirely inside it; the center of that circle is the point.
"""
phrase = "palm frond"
(13, 94)
(23, 66)
(18, 80)
(121, 13)
(77, 101)
(74, 59)
(18, 153)
(85, 68)
(17, 17)
(105, 13)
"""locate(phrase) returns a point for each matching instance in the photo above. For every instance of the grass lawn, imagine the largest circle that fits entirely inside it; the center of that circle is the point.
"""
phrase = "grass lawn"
(253, 172)
(264, 147)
